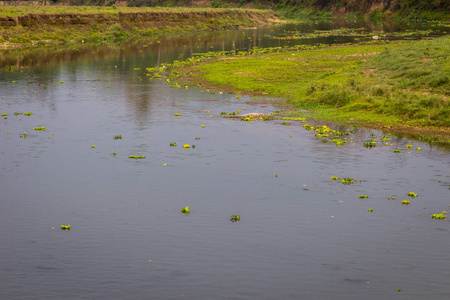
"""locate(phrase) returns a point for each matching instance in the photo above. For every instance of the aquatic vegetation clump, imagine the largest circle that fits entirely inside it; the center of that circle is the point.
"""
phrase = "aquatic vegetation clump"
(412, 194)
(28, 114)
(418, 149)
(347, 180)
(370, 210)
(363, 196)
(93, 146)
(339, 142)
(117, 137)
(235, 218)
(136, 157)
(286, 123)
(65, 227)
(4, 115)
(173, 144)
(177, 115)
(405, 202)
(409, 146)
(187, 146)
(39, 128)
(334, 178)
(308, 127)
(185, 210)
(440, 216)
(397, 151)
(24, 135)
(370, 143)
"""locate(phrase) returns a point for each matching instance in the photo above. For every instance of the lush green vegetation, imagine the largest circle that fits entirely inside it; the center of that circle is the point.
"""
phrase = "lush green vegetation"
(295, 9)
(65, 24)
(397, 84)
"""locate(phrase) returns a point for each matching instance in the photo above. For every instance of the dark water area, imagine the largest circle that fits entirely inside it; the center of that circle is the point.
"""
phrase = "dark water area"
(301, 235)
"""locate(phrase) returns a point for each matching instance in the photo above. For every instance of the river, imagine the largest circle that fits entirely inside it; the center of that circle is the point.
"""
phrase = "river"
(300, 235)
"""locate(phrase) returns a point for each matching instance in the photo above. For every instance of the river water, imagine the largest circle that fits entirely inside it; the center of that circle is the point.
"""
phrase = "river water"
(300, 234)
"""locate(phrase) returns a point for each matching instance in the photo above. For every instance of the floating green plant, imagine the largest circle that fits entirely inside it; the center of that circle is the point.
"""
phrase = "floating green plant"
(392, 198)
(136, 156)
(185, 210)
(235, 218)
(18, 113)
(39, 128)
(440, 216)
(370, 143)
(203, 126)
(397, 151)
(186, 146)
(347, 180)
(308, 127)
(177, 115)
(197, 137)
(117, 137)
(286, 123)
(24, 135)
(65, 227)
(93, 146)
(405, 202)
(173, 144)
(412, 194)
(409, 146)
(418, 149)
(4, 115)
(370, 209)
(339, 142)
(222, 113)
(363, 196)
(334, 178)
(385, 138)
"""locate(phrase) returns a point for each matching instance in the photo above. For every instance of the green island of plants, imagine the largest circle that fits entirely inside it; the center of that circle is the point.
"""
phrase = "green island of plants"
(398, 86)
(235, 218)
(185, 210)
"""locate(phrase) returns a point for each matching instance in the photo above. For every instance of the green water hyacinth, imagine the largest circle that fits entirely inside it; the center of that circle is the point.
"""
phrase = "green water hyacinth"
(440, 216)
(412, 194)
(117, 137)
(347, 180)
(185, 210)
(405, 202)
(397, 151)
(235, 218)
(370, 210)
(65, 227)
(370, 143)
(28, 114)
(334, 178)
(39, 128)
(363, 196)
(136, 156)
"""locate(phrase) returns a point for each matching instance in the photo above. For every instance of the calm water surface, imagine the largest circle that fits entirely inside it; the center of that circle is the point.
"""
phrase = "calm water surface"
(301, 235)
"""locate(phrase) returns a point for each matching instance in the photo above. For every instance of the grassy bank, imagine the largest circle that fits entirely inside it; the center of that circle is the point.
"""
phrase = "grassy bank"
(26, 26)
(402, 86)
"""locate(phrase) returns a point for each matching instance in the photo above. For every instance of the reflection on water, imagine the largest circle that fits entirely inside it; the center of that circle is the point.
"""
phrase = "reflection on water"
(300, 234)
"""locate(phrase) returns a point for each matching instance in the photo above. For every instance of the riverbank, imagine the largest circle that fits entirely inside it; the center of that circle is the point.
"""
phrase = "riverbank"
(397, 86)
(55, 25)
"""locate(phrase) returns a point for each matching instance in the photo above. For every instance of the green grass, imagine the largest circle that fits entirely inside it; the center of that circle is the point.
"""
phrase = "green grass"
(15, 11)
(396, 84)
